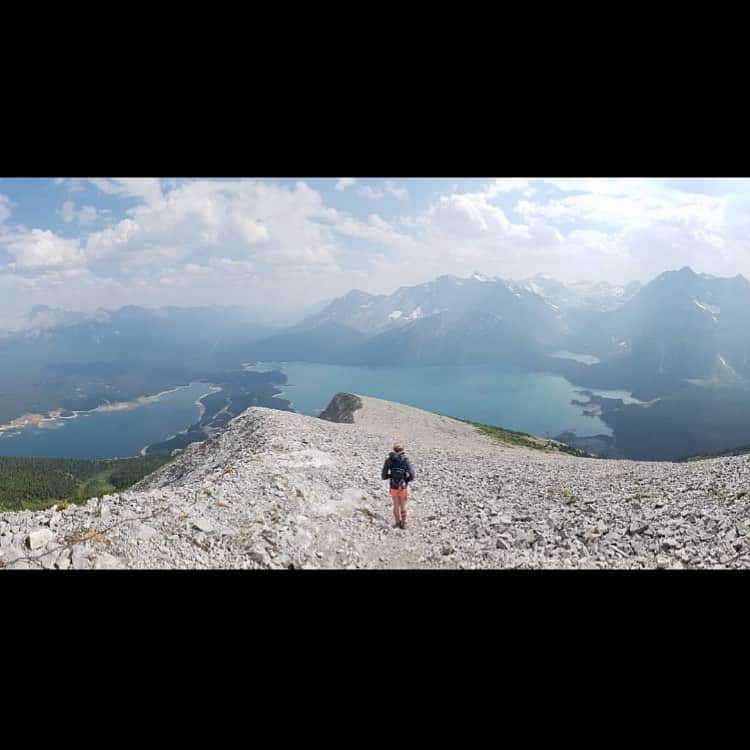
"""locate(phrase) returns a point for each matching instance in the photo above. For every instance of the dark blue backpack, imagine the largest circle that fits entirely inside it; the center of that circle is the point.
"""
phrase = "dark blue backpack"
(398, 471)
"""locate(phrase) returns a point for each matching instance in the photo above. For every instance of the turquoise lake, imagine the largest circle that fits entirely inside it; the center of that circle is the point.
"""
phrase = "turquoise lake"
(533, 402)
(539, 403)
(108, 434)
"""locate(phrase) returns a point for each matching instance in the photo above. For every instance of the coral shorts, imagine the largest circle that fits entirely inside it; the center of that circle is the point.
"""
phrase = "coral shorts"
(400, 494)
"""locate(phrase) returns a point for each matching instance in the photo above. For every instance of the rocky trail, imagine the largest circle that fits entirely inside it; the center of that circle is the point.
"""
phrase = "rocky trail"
(278, 490)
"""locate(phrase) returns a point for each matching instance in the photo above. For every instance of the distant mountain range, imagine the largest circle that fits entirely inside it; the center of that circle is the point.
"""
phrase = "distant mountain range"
(454, 297)
(682, 328)
(678, 331)
(77, 361)
(450, 320)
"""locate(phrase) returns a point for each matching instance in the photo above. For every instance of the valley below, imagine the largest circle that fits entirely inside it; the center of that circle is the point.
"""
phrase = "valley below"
(654, 372)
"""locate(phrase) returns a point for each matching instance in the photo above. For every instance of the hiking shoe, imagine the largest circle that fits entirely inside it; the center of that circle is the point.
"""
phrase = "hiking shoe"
(396, 525)
(402, 524)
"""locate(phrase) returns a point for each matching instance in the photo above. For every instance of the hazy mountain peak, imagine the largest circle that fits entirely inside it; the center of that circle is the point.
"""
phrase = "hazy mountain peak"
(357, 294)
(44, 317)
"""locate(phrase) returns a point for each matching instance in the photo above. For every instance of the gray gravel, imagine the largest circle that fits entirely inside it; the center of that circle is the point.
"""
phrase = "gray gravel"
(279, 490)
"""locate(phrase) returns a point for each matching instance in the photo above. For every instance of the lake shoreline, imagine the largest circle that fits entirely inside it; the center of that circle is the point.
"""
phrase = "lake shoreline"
(239, 391)
(201, 411)
(40, 420)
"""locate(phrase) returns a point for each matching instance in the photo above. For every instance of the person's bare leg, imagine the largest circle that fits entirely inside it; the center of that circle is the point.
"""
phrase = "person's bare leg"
(403, 510)
(396, 509)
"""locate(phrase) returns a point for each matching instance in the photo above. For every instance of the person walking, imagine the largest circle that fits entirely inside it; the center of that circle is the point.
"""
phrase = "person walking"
(399, 470)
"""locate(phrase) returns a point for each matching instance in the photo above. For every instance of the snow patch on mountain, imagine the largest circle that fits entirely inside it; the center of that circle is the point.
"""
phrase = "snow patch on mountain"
(713, 309)
(479, 277)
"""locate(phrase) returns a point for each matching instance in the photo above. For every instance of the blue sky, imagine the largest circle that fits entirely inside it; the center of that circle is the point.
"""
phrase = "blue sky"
(280, 246)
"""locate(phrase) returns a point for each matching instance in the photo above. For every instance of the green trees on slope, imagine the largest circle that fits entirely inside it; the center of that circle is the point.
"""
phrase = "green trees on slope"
(36, 483)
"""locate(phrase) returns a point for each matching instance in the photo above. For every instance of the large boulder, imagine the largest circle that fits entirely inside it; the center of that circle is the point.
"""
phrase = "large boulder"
(342, 408)
(39, 539)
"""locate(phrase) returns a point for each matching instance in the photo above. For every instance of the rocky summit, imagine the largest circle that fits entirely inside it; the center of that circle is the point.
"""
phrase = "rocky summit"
(280, 490)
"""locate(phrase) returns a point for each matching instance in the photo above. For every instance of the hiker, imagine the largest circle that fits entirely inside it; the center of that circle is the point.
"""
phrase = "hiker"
(398, 469)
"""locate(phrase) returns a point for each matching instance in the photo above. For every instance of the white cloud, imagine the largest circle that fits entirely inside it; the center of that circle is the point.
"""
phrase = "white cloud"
(589, 237)
(382, 235)
(274, 225)
(109, 241)
(73, 184)
(84, 216)
(509, 185)
(468, 216)
(147, 189)
(40, 249)
(241, 267)
(367, 191)
(87, 215)
(193, 268)
(389, 188)
(622, 229)
(628, 204)
(68, 211)
(398, 191)
(344, 183)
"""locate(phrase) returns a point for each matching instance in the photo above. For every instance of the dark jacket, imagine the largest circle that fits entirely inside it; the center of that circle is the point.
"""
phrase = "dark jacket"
(386, 473)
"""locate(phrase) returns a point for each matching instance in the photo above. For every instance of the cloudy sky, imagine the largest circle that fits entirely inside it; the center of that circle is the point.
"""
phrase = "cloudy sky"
(279, 246)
